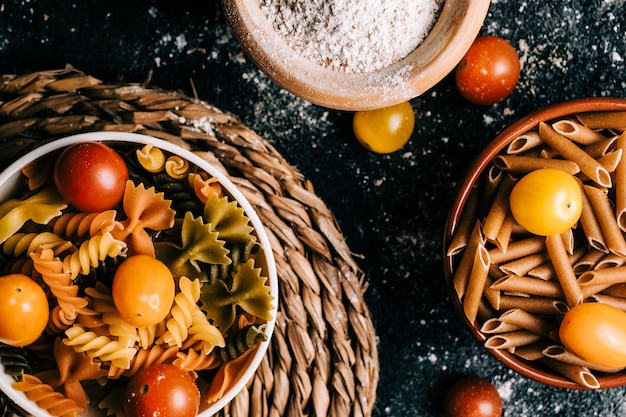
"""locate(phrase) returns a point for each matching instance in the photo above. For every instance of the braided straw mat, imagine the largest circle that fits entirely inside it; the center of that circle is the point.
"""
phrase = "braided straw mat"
(323, 358)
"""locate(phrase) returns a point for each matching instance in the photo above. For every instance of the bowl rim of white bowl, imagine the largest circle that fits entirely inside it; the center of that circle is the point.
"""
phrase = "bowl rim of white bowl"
(12, 172)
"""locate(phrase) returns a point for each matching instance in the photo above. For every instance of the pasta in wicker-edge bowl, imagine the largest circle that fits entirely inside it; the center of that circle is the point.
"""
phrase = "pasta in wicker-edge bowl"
(73, 254)
(512, 288)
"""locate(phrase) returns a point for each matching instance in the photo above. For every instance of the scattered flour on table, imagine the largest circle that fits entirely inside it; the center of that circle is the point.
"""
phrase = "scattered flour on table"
(353, 35)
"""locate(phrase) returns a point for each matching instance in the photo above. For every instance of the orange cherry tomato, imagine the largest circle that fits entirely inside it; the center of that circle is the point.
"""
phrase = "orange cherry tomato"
(384, 130)
(546, 202)
(143, 290)
(596, 332)
(24, 310)
(488, 72)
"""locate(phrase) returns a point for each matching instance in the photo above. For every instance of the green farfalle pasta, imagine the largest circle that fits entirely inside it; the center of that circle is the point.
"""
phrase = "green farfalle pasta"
(40, 208)
(228, 219)
(240, 341)
(248, 292)
(198, 245)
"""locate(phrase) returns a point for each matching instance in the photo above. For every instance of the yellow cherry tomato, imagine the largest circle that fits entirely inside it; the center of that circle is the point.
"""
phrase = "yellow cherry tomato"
(384, 130)
(143, 290)
(595, 332)
(546, 202)
(24, 310)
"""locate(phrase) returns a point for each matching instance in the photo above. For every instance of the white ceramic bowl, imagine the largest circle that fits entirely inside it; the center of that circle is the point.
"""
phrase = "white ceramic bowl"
(10, 183)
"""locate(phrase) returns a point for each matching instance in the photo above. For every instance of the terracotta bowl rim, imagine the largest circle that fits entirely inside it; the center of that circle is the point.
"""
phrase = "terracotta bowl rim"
(462, 192)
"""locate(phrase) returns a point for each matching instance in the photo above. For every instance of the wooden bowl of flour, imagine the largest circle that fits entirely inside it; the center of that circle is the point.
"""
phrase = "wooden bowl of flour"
(384, 73)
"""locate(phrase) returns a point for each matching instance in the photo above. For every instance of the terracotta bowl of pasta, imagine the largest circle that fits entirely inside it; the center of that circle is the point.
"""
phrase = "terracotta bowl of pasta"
(134, 274)
(343, 61)
(537, 299)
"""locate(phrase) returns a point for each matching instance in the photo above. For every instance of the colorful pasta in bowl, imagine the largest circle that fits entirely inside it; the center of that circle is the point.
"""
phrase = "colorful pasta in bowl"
(123, 254)
(541, 302)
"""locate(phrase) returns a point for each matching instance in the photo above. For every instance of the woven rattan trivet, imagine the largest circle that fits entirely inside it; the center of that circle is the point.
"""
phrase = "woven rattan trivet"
(323, 358)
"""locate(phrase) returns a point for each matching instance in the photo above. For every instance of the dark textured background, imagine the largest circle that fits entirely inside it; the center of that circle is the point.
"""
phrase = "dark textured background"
(391, 208)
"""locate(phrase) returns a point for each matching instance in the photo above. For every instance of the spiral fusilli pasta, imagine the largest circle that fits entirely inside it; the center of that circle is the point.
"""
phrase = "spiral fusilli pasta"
(26, 243)
(102, 303)
(61, 286)
(151, 158)
(81, 224)
(91, 253)
(46, 397)
(182, 312)
(101, 347)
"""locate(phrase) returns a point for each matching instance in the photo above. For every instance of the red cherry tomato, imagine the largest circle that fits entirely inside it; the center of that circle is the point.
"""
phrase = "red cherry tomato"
(488, 72)
(473, 396)
(91, 176)
(23, 308)
(164, 391)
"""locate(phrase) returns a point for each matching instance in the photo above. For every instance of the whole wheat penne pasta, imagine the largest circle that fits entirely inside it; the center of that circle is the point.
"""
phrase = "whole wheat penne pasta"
(606, 276)
(522, 265)
(492, 296)
(531, 352)
(577, 132)
(485, 311)
(588, 261)
(599, 149)
(611, 261)
(490, 184)
(547, 272)
(524, 142)
(476, 284)
(576, 373)
(464, 268)
(606, 218)
(512, 339)
(563, 269)
(527, 285)
(615, 120)
(495, 326)
(617, 302)
(504, 234)
(535, 305)
(571, 151)
(499, 208)
(610, 161)
(568, 241)
(591, 226)
(524, 164)
(620, 186)
(466, 223)
(518, 249)
(617, 290)
(559, 353)
(528, 321)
